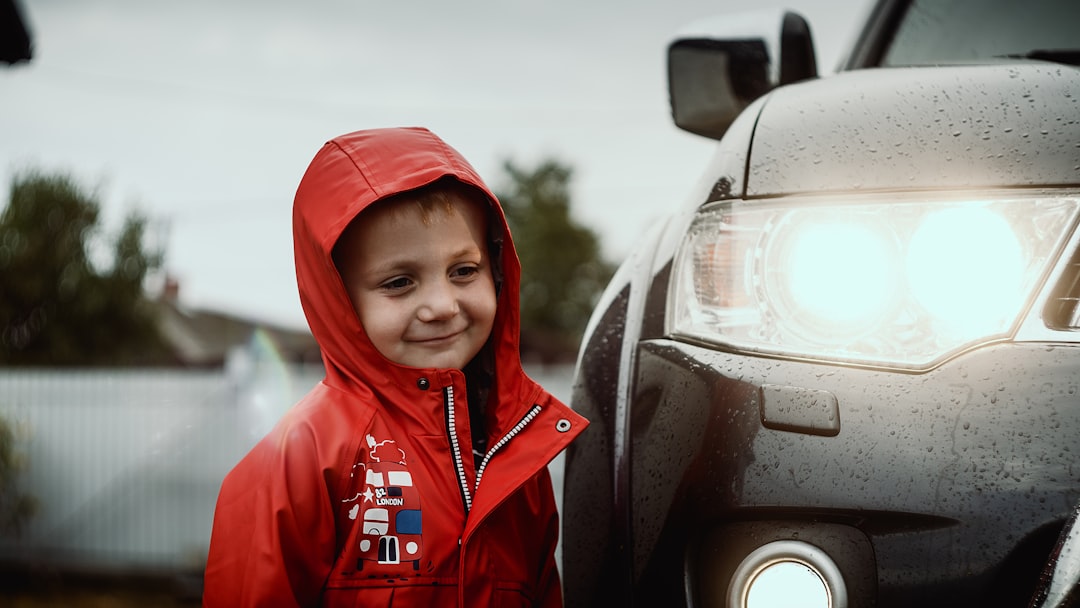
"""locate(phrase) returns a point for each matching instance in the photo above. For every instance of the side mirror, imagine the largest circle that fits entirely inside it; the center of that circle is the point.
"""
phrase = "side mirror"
(1059, 585)
(719, 66)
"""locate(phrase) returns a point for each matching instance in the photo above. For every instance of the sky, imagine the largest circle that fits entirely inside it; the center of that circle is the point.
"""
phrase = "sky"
(202, 115)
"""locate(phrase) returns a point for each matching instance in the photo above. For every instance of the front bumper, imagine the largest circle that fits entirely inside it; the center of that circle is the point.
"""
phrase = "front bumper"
(940, 488)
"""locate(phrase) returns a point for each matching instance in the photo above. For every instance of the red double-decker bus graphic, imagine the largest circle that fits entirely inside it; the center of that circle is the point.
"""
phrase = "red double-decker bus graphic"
(390, 521)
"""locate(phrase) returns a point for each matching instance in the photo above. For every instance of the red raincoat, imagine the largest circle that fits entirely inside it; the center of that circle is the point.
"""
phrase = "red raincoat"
(366, 492)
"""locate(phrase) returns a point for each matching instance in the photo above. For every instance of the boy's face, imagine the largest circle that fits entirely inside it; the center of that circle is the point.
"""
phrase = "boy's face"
(422, 286)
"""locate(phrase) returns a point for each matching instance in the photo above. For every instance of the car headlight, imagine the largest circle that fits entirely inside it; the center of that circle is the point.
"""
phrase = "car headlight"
(787, 573)
(879, 281)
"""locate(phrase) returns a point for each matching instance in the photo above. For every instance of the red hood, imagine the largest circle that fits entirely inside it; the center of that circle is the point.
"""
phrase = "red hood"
(347, 175)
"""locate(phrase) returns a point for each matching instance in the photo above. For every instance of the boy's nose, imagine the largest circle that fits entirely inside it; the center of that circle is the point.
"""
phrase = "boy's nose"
(439, 303)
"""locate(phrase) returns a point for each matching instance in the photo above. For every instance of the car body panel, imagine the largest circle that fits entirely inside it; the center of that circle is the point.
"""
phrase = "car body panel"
(898, 128)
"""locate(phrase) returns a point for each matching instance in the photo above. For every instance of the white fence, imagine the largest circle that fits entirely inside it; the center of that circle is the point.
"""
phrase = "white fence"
(126, 465)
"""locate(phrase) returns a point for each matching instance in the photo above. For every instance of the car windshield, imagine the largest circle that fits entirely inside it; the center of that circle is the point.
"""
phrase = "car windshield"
(933, 32)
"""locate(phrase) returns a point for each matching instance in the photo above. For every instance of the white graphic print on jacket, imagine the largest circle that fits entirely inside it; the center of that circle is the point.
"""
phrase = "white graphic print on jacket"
(388, 508)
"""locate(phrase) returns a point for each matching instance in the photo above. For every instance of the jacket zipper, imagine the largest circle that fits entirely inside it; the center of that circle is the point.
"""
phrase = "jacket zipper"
(455, 446)
(526, 419)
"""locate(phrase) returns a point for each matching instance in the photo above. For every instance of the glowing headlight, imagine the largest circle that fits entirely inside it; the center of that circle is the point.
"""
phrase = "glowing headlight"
(787, 573)
(899, 283)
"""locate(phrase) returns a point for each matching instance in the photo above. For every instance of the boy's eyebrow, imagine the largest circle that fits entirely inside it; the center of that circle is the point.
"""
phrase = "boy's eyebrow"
(397, 262)
(467, 251)
(387, 265)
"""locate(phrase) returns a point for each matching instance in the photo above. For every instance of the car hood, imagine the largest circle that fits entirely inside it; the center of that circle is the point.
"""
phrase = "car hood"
(1015, 124)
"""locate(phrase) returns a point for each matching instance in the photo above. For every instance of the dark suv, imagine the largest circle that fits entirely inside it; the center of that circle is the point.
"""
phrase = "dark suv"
(847, 370)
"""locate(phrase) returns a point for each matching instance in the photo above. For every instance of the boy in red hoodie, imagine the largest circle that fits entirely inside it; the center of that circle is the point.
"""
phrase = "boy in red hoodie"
(415, 473)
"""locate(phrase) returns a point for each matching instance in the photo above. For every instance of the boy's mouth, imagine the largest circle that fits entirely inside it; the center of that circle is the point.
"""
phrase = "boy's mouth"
(440, 339)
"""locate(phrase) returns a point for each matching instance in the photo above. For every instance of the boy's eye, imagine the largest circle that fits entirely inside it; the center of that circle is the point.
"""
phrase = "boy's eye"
(396, 284)
(464, 271)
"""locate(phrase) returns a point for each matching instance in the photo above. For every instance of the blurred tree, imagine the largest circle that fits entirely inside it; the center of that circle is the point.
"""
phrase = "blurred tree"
(563, 271)
(57, 308)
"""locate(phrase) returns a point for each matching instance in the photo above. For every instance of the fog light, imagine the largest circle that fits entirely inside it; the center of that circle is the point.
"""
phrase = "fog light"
(787, 574)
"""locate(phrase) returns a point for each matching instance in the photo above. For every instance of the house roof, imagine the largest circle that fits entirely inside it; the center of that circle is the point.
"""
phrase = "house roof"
(206, 338)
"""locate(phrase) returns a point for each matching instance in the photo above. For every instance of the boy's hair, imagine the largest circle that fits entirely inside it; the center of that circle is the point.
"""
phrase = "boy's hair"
(434, 196)
(438, 195)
